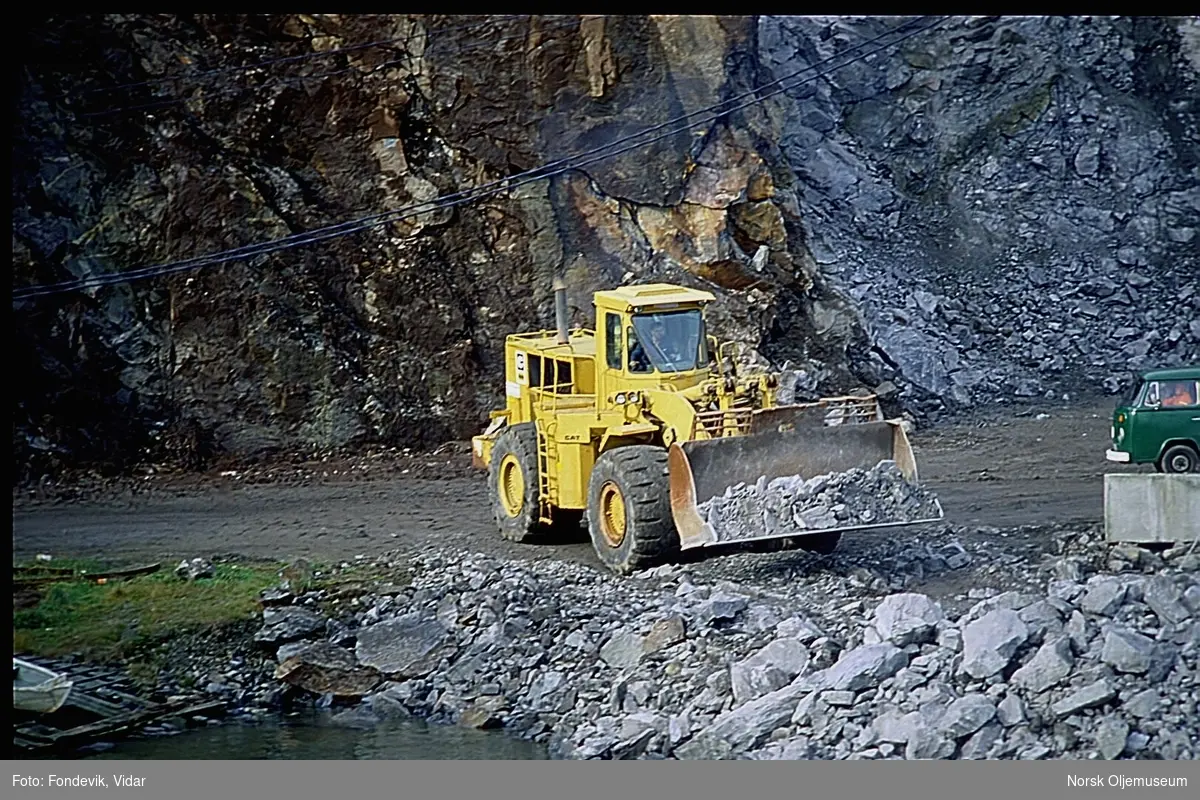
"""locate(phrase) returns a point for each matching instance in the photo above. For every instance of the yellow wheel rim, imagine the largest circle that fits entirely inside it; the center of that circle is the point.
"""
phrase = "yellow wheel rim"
(612, 514)
(512, 485)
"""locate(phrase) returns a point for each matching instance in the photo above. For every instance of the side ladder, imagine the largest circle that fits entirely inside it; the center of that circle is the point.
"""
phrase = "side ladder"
(547, 470)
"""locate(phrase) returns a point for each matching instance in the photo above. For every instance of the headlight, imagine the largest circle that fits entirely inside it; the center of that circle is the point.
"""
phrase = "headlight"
(620, 398)
(633, 397)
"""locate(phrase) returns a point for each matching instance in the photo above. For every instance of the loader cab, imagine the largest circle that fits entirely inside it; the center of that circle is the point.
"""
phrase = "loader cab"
(650, 336)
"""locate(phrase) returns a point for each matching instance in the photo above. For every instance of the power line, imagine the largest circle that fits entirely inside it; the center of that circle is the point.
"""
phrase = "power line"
(284, 59)
(458, 198)
(486, 190)
(291, 80)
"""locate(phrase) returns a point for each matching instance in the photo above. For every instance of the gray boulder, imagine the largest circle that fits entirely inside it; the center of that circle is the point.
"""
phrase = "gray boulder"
(907, 618)
(864, 667)
(771, 668)
(409, 646)
(990, 642)
(746, 726)
(1127, 651)
(1050, 665)
(288, 624)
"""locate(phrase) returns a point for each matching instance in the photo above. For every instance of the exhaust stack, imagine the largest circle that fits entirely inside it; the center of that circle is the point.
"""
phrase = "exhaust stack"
(560, 310)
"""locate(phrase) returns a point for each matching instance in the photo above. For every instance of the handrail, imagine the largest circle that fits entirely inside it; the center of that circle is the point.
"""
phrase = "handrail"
(540, 334)
(549, 400)
(723, 422)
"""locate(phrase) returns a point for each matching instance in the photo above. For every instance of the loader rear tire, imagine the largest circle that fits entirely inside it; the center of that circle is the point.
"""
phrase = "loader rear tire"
(513, 484)
(629, 509)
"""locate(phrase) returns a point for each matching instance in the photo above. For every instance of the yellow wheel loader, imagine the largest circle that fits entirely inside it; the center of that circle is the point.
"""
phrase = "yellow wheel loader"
(638, 423)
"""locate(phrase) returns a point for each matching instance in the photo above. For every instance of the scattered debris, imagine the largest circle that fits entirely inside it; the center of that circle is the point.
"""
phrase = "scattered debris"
(194, 569)
(765, 656)
(98, 707)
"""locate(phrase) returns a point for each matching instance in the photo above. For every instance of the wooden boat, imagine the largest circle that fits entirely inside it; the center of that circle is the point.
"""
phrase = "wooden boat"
(38, 689)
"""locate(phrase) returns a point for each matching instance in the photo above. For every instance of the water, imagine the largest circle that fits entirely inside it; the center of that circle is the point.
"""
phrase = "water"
(313, 737)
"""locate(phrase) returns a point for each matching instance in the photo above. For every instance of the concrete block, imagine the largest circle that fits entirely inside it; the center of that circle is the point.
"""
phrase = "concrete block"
(1151, 507)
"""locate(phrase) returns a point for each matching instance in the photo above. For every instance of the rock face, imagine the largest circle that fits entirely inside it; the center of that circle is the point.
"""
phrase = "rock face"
(967, 216)
(1127, 651)
(1050, 665)
(288, 624)
(907, 618)
(771, 668)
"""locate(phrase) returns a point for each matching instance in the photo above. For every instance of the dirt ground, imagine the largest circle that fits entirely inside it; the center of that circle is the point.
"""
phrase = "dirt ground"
(1001, 469)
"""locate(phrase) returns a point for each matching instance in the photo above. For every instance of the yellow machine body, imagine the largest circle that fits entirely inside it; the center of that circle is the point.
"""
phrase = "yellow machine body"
(586, 395)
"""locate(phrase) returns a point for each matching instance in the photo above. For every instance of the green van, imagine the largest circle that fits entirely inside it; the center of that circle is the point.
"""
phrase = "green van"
(1158, 421)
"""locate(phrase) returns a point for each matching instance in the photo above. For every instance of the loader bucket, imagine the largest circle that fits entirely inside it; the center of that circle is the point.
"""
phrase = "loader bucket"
(784, 442)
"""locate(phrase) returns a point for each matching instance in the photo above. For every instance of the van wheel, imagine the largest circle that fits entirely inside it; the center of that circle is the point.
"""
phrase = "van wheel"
(1179, 458)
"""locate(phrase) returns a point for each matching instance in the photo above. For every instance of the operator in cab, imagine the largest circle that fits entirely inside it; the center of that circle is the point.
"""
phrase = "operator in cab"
(665, 350)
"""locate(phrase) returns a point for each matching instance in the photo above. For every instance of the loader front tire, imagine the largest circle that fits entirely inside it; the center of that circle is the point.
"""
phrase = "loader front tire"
(513, 484)
(629, 509)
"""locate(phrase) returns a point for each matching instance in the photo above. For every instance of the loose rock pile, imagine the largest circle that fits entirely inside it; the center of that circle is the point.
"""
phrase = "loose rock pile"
(856, 497)
(1074, 254)
(680, 663)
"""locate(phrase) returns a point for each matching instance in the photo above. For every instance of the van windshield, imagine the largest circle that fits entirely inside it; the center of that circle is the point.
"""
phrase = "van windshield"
(1130, 393)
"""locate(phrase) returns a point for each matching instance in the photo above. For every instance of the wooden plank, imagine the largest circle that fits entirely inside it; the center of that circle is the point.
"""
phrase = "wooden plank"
(29, 744)
(129, 719)
(26, 578)
(95, 705)
(113, 724)
(129, 572)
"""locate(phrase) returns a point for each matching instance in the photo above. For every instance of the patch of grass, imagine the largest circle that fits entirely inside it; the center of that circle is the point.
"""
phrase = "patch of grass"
(105, 621)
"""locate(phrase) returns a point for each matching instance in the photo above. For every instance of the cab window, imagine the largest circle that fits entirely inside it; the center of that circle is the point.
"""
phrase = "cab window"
(639, 361)
(612, 340)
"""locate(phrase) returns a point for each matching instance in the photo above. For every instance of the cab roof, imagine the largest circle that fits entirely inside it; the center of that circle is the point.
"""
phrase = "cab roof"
(631, 298)
(1176, 374)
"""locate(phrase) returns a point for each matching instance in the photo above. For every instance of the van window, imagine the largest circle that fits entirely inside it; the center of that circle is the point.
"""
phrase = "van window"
(1177, 394)
(1152, 397)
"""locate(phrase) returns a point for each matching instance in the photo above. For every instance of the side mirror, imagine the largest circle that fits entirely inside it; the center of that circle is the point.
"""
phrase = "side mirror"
(712, 349)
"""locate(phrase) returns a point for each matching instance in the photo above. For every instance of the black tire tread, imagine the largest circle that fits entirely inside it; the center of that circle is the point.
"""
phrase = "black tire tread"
(1166, 456)
(520, 440)
(641, 472)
